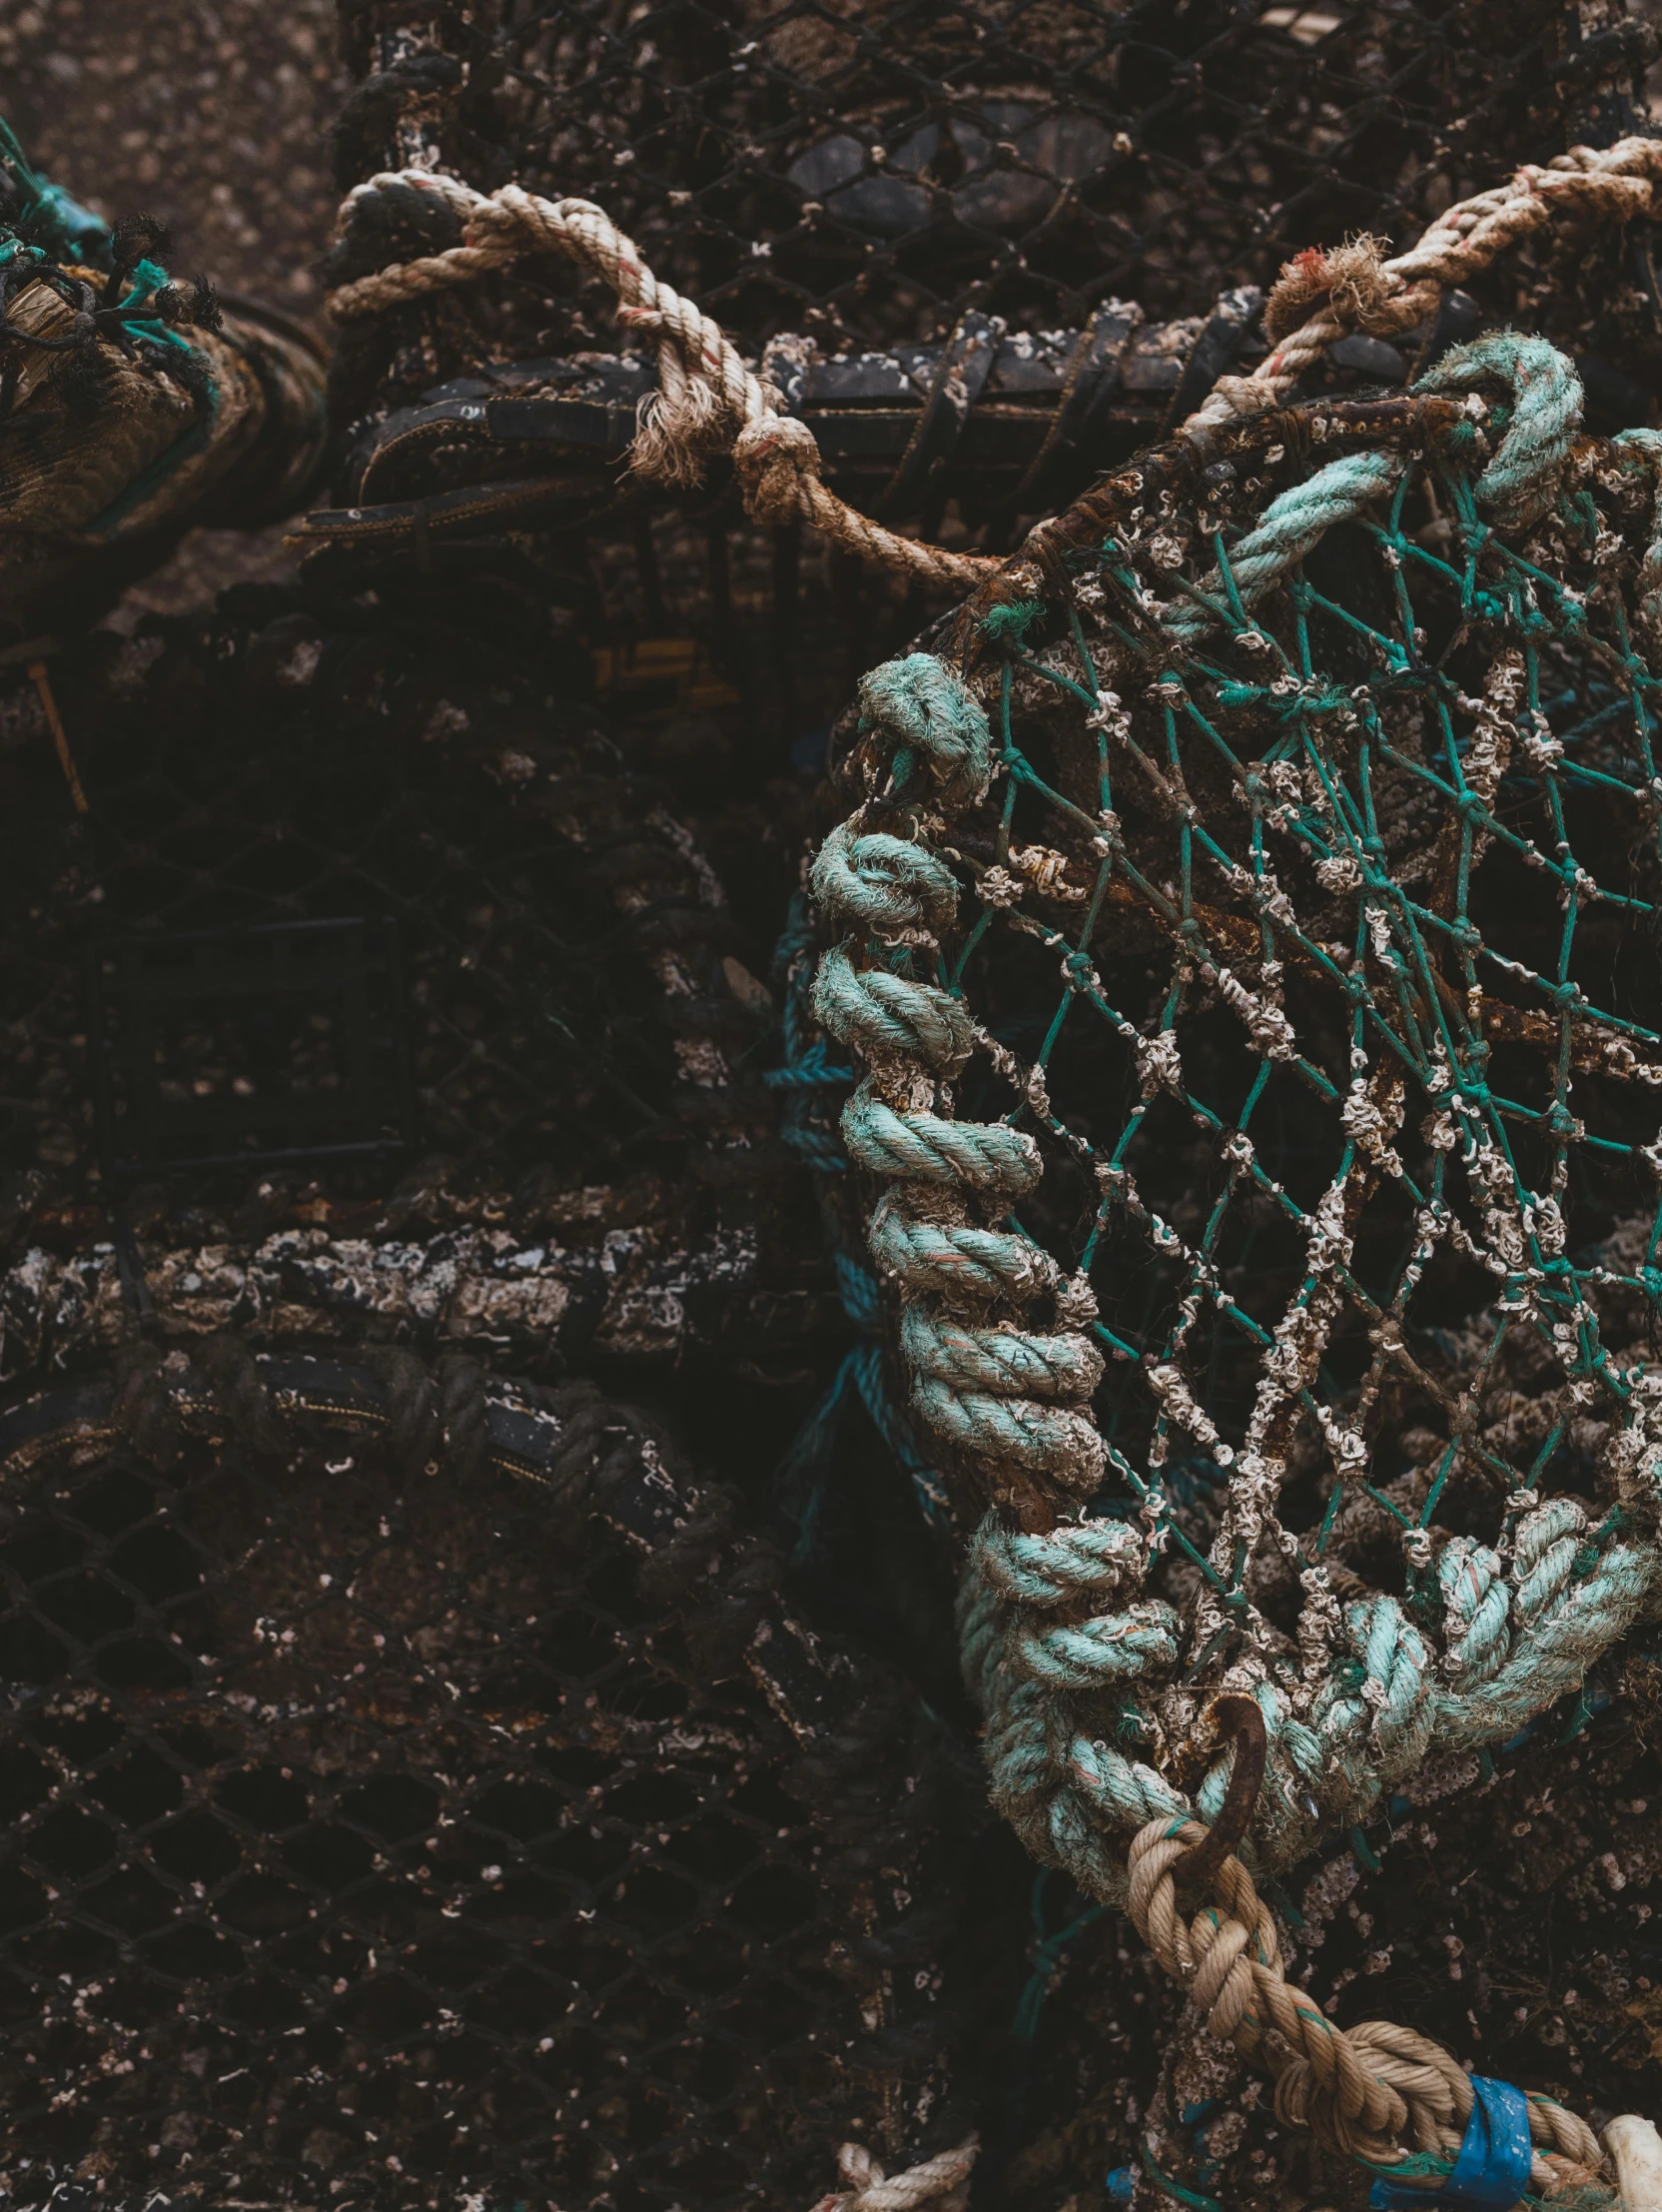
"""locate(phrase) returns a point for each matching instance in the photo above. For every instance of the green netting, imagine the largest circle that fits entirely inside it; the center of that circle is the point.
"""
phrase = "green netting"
(1250, 937)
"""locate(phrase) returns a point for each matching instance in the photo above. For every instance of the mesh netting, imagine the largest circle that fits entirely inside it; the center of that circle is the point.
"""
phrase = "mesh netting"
(377, 989)
(867, 174)
(598, 1882)
(416, 1794)
(998, 248)
(1299, 1014)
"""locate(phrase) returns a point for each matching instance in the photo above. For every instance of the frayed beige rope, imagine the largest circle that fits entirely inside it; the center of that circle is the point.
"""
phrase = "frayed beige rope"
(941, 2183)
(1375, 2091)
(708, 399)
(1359, 291)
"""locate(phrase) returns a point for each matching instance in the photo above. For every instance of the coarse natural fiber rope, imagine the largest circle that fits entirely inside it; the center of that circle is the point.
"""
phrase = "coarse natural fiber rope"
(1359, 291)
(709, 400)
(1097, 1693)
(940, 2184)
(1376, 2092)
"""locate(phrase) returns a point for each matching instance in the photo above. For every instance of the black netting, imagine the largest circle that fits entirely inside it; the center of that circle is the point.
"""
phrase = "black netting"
(415, 1797)
(867, 173)
(385, 1828)
(371, 931)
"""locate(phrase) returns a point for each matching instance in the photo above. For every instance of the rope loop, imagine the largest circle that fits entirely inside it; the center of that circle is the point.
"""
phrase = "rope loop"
(921, 705)
(709, 401)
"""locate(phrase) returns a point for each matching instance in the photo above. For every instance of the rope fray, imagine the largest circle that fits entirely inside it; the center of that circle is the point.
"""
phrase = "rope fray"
(1375, 2092)
(709, 401)
(941, 2183)
(1321, 295)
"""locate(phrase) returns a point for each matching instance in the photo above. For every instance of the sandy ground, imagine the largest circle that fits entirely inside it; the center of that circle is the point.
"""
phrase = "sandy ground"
(213, 115)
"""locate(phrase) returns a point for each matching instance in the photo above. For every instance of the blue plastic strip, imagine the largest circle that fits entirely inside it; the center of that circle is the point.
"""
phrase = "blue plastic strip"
(1492, 2170)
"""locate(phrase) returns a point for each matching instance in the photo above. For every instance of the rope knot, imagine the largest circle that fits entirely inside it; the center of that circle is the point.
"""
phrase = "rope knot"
(774, 458)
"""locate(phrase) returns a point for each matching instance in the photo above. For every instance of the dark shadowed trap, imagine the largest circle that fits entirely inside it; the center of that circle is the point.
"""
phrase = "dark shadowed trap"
(522, 1299)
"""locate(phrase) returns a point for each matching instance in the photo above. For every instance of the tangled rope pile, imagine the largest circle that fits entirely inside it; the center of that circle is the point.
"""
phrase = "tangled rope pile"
(709, 400)
(1280, 807)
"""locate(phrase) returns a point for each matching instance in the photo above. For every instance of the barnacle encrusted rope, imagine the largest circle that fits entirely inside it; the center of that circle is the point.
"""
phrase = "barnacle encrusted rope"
(1352, 289)
(1301, 789)
(709, 400)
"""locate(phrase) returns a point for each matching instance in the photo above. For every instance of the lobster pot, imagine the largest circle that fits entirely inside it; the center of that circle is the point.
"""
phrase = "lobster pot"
(407, 1807)
(369, 941)
(983, 257)
(864, 175)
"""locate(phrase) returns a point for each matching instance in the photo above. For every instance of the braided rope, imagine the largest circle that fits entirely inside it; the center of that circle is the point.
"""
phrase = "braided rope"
(1075, 1665)
(941, 2183)
(1359, 291)
(1379, 2092)
(709, 400)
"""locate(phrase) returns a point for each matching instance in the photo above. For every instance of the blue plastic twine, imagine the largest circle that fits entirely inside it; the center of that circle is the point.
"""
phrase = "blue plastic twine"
(1492, 2170)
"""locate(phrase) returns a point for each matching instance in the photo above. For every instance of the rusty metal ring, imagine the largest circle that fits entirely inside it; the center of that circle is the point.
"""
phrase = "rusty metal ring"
(1239, 1718)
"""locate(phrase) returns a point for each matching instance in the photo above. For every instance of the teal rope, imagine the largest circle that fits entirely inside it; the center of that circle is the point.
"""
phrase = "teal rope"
(1068, 1699)
(1293, 525)
(807, 1076)
(57, 224)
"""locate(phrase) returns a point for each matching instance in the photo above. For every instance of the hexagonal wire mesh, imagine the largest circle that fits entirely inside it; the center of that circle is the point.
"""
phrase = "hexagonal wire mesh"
(411, 1801)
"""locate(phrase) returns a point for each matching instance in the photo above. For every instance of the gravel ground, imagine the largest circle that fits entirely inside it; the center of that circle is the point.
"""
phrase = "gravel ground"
(213, 115)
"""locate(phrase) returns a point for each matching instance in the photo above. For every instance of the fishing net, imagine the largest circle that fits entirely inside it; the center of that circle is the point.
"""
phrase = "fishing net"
(1248, 937)
(359, 848)
(426, 1790)
(983, 254)
(419, 1792)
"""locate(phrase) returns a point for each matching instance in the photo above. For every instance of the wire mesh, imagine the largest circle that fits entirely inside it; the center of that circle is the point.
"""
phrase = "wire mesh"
(866, 175)
(405, 1822)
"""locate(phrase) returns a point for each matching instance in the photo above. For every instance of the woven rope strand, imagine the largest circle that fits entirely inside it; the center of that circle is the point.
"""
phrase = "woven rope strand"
(1383, 298)
(1374, 2091)
(709, 400)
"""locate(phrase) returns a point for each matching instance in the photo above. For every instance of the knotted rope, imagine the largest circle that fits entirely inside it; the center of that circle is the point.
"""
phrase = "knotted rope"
(1393, 2099)
(1096, 1689)
(941, 2183)
(709, 400)
(1359, 291)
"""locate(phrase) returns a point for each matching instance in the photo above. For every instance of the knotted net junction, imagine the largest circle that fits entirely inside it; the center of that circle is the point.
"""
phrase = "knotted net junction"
(1247, 952)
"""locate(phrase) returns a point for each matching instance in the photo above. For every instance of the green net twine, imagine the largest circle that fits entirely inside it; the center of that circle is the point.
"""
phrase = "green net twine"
(1248, 934)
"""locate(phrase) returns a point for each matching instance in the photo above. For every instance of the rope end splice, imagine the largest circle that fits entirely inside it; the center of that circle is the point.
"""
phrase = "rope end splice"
(938, 2184)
